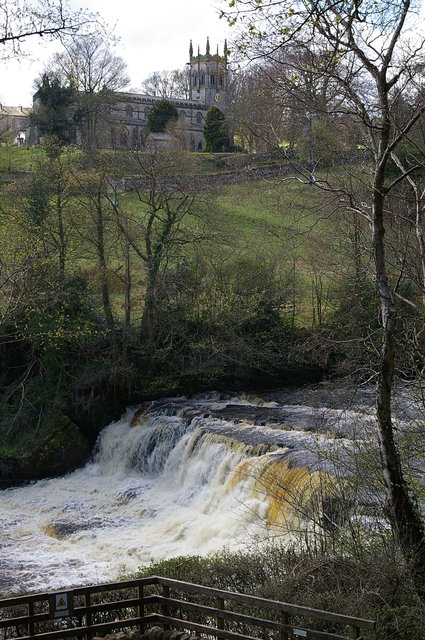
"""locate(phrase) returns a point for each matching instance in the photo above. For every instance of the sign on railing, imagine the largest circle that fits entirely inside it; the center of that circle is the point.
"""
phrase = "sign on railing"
(61, 605)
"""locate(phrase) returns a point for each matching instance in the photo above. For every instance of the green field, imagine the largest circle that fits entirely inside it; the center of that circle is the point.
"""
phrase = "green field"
(18, 158)
(280, 222)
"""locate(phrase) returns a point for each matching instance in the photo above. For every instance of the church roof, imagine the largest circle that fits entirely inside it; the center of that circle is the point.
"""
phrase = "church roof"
(22, 112)
(147, 99)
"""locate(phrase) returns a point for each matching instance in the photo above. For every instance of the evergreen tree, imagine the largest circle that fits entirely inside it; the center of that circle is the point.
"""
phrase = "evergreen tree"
(52, 116)
(161, 115)
(216, 132)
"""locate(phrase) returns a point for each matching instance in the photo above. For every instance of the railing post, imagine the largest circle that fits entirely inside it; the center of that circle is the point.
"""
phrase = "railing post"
(356, 632)
(31, 626)
(166, 605)
(89, 619)
(284, 619)
(141, 609)
(220, 607)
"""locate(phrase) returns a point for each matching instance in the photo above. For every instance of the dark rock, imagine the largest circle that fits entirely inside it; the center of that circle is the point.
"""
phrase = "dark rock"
(61, 450)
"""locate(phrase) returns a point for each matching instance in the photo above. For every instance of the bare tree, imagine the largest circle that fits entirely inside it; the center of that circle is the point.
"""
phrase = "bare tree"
(93, 220)
(362, 49)
(92, 68)
(21, 20)
(157, 230)
(168, 84)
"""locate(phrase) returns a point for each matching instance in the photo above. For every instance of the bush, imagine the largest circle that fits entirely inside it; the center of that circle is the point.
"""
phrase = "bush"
(218, 321)
(161, 115)
(371, 586)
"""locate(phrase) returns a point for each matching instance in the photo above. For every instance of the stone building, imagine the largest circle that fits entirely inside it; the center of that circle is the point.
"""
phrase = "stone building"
(126, 122)
(14, 124)
(121, 118)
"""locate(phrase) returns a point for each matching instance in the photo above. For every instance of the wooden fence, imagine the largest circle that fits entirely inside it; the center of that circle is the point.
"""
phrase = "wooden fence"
(140, 603)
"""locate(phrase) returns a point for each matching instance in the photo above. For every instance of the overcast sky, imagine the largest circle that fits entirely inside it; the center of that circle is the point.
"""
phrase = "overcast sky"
(155, 35)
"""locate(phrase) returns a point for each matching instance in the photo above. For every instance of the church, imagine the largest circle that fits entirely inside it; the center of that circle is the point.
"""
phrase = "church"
(128, 112)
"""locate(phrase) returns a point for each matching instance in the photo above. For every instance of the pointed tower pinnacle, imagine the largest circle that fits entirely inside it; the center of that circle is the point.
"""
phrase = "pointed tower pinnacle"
(207, 52)
(217, 50)
(225, 50)
(191, 49)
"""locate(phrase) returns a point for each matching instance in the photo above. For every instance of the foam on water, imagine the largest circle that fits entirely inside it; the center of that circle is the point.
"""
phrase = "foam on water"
(180, 481)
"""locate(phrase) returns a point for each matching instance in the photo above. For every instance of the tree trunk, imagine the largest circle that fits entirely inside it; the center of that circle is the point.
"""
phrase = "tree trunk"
(127, 305)
(357, 255)
(62, 240)
(401, 509)
(104, 275)
(147, 326)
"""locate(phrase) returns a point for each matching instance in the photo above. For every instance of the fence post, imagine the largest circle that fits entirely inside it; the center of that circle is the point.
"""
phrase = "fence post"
(89, 619)
(220, 607)
(31, 626)
(284, 619)
(166, 605)
(141, 609)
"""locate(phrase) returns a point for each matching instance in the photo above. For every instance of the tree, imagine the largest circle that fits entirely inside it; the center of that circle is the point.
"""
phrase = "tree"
(52, 113)
(215, 131)
(95, 73)
(21, 20)
(362, 49)
(279, 101)
(168, 84)
(162, 114)
(157, 230)
(93, 223)
(252, 111)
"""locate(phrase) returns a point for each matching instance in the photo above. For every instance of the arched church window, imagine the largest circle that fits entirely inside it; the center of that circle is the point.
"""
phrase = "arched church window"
(202, 78)
(134, 139)
(129, 111)
(182, 116)
(199, 117)
(195, 80)
(212, 79)
(220, 80)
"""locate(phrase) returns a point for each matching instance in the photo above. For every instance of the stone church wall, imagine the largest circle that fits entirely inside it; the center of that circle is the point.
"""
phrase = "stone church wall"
(128, 118)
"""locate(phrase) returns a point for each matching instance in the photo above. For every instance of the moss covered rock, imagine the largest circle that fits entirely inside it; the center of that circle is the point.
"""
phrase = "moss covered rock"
(60, 449)
(63, 449)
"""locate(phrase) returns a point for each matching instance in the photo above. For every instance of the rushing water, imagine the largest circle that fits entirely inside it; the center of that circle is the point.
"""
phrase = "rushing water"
(175, 477)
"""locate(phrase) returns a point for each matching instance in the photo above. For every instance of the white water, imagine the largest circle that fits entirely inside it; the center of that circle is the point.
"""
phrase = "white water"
(165, 487)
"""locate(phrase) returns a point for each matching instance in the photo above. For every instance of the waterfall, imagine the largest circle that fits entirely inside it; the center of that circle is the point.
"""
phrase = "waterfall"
(174, 477)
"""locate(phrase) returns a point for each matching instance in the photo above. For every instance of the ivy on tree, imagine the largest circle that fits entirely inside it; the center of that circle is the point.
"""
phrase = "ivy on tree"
(52, 115)
(161, 115)
(215, 131)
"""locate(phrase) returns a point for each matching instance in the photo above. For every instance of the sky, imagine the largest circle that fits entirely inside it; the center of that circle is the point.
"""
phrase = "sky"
(155, 35)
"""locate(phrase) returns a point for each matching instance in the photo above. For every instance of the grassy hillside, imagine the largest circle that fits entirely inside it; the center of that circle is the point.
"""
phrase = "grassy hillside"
(249, 275)
(18, 158)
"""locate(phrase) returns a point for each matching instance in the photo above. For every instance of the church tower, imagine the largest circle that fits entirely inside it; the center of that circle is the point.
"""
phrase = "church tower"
(209, 77)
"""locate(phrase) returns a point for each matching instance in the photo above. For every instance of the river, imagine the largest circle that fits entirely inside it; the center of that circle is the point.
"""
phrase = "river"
(180, 476)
